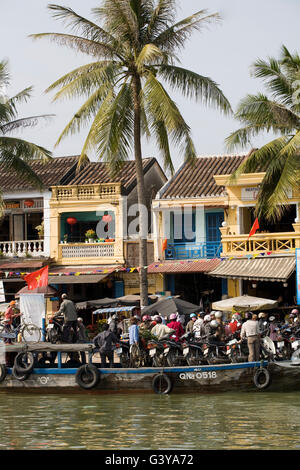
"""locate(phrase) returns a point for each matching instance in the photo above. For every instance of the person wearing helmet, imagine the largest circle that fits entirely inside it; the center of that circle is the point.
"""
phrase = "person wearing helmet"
(176, 325)
(216, 334)
(221, 326)
(250, 330)
(273, 329)
(190, 325)
(146, 323)
(262, 322)
(160, 330)
(235, 323)
(198, 329)
(68, 309)
(9, 317)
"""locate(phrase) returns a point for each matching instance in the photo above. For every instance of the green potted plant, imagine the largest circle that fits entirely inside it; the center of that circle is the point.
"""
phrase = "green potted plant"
(90, 235)
(40, 230)
(65, 238)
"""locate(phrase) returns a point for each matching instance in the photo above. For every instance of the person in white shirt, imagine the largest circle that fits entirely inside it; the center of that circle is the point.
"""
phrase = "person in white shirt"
(250, 330)
(160, 330)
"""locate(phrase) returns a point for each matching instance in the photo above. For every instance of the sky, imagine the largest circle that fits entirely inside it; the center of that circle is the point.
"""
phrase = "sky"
(224, 52)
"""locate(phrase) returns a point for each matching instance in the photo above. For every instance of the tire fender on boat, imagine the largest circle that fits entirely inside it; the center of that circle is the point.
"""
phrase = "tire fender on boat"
(20, 365)
(3, 372)
(87, 376)
(262, 378)
(19, 375)
(162, 384)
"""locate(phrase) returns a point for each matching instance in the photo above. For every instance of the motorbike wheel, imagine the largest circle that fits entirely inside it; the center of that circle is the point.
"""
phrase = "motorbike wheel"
(296, 356)
(124, 360)
(171, 358)
(193, 359)
(52, 336)
(235, 356)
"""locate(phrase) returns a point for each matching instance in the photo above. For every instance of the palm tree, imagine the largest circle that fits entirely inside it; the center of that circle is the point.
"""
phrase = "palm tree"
(278, 113)
(16, 154)
(133, 44)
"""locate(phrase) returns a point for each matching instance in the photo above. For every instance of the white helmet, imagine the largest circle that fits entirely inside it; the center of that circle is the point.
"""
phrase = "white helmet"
(236, 316)
(218, 314)
(272, 318)
(214, 324)
(261, 315)
(207, 318)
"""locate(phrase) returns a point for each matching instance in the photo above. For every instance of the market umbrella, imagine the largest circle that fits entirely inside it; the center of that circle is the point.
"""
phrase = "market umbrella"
(98, 303)
(135, 299)
(169, 305)
(244, 303)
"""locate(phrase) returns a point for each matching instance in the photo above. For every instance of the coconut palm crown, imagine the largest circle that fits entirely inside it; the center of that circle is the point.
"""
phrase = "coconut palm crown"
(16, 153)
(278, 113)
(134, 46)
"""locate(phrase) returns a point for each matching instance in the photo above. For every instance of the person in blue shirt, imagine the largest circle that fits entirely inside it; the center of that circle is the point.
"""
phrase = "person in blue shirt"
(133, 331)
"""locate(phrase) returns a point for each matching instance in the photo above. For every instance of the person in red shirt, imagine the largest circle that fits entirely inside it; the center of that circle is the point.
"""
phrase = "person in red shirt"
(9, 316)
(176, 325)
(10, 313)
(235, 324)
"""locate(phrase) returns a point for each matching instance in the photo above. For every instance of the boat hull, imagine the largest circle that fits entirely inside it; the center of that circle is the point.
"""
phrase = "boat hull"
(202, 379)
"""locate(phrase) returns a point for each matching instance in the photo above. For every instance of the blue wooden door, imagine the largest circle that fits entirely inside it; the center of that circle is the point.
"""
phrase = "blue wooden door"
(213, 235)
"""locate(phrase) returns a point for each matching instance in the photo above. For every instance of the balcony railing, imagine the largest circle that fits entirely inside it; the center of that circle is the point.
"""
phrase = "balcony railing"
(84, 192)
(23, 248)
(87, 250)
(262, 242)
(204, 250)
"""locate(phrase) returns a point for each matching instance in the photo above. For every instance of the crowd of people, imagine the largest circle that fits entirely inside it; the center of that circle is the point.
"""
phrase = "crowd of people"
(214, 326)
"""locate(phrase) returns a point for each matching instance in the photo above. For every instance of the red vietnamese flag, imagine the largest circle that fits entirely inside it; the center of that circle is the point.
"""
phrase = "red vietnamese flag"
(255, 227)
(165, 244)
(37, 278)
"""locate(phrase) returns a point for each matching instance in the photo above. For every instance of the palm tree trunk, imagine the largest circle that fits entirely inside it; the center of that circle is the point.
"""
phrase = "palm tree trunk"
(142, 200)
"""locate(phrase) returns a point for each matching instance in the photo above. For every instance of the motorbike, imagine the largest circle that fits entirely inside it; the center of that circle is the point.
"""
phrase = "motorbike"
(173, 351)
(192, 350)
(54, 330)
(235, 350)
(122, 349)
(156, 352)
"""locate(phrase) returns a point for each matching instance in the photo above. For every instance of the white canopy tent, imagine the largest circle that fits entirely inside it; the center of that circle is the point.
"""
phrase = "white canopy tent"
(244, 303)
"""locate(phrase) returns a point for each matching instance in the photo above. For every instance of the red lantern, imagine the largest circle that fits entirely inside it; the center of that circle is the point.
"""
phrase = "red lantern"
(71, 220)
(29, 203)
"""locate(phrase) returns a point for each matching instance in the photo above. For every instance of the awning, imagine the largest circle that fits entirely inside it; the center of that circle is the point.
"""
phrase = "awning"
(79, 274)
(114, 310)
(260, 269)
(188, 266)
(82, 279)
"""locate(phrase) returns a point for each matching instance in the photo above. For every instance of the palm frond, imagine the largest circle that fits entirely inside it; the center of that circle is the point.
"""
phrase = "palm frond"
(194, 86)
(24, 122)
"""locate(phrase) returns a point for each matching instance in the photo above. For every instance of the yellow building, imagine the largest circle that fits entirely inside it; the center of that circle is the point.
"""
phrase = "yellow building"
(90, 243)
(218, 247)
(264, 263)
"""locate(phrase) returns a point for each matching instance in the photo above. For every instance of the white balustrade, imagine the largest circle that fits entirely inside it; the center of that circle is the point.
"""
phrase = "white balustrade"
(88, 250)
(22, 248)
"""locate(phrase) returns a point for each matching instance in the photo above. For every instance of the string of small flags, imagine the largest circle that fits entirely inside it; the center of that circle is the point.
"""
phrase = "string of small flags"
(138, 268)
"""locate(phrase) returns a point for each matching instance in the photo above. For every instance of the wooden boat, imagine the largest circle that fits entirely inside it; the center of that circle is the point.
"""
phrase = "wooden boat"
(244, 376)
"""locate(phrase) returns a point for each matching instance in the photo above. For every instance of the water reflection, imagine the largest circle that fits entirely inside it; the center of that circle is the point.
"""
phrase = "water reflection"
(139, 421)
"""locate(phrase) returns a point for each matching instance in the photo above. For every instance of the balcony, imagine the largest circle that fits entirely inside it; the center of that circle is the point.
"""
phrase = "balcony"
(87, 250)
(22, 248)
(277, 243)
(204, 250)
(86, 192)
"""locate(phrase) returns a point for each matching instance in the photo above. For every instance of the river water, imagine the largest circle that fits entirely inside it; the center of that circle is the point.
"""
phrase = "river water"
(229, 421)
